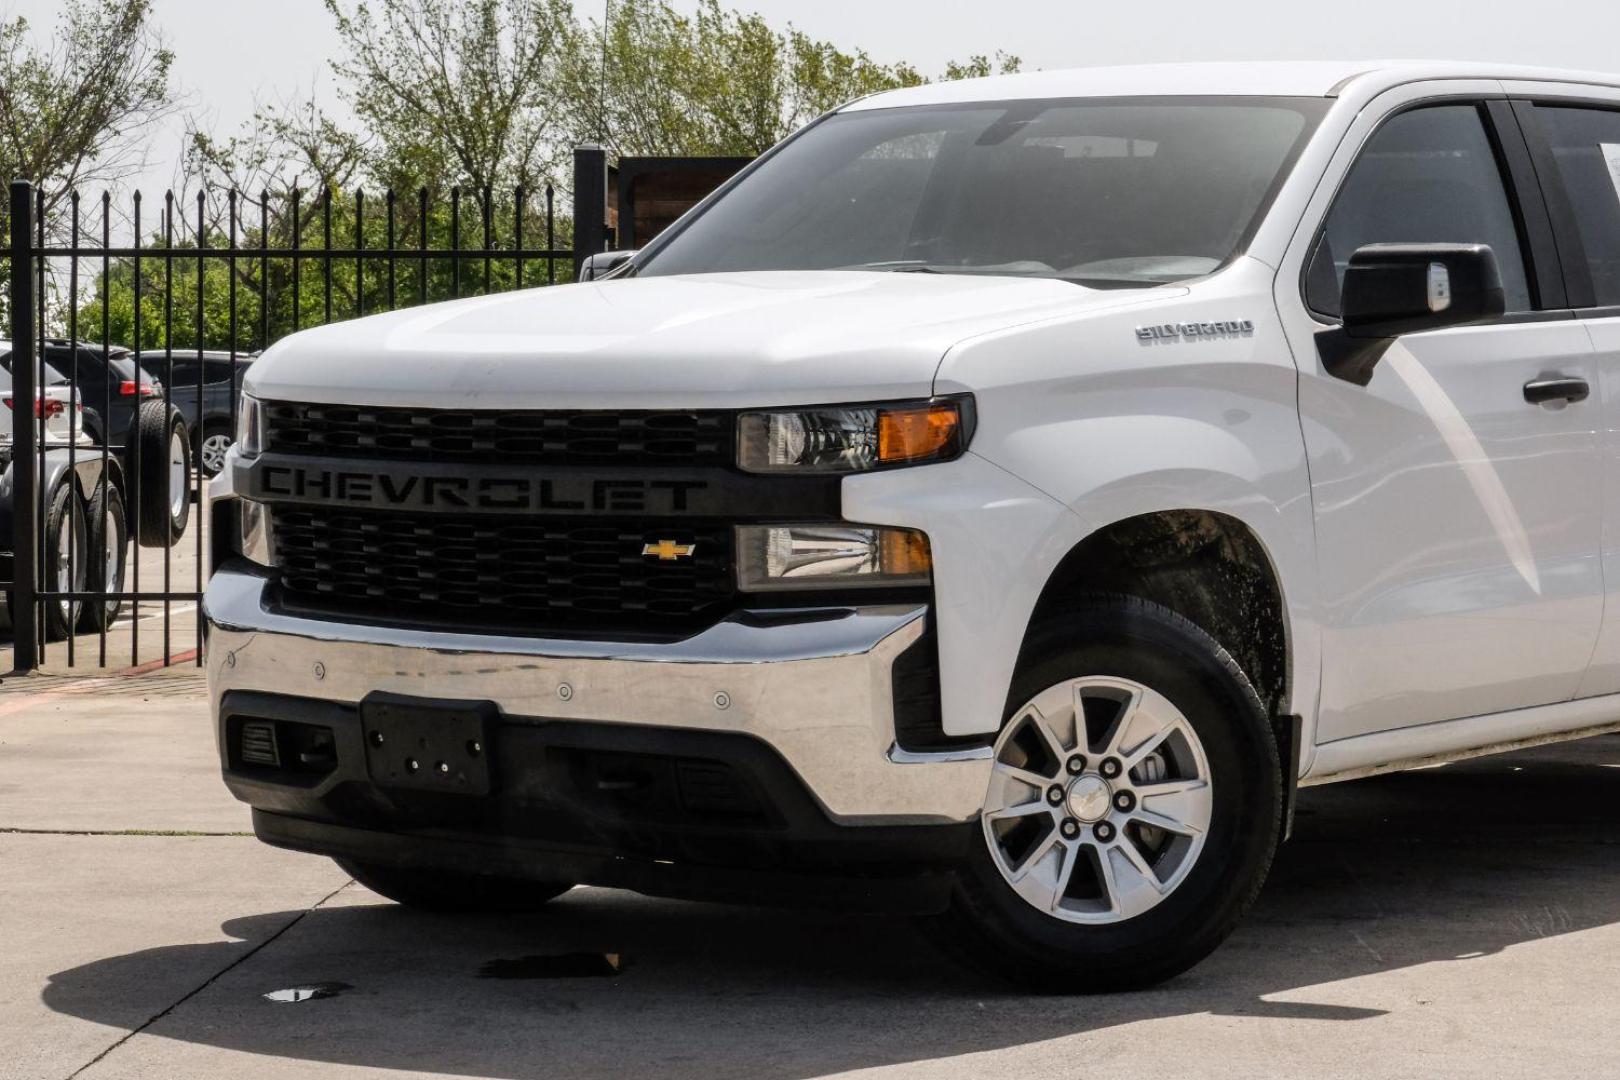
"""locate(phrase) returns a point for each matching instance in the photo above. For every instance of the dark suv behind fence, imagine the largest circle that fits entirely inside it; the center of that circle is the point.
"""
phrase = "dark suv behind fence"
(110, 385)
(212, 420)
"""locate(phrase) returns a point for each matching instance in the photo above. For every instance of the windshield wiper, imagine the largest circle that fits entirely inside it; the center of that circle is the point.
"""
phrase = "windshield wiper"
(897, 266)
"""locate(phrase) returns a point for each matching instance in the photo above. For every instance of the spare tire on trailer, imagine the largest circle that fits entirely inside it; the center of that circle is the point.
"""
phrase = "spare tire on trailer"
(159, 468)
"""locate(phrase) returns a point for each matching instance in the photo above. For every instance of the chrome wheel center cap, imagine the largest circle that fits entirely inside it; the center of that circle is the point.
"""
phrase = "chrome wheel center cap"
(1089, 798)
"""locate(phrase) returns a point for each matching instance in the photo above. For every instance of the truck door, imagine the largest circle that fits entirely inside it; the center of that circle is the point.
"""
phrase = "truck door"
(1576, 144)
(1458, 522)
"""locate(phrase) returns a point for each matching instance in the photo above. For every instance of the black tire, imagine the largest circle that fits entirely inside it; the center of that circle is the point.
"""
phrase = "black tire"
(994, 928)
(106, 513)
(160, 433)
(444, 891)
(64, 521)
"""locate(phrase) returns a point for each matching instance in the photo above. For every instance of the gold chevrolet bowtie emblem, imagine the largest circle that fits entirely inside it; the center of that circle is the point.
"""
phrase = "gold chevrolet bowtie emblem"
(669, 550)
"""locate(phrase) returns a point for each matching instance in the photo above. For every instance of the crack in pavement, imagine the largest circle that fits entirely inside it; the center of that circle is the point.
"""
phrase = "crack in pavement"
(215, 977)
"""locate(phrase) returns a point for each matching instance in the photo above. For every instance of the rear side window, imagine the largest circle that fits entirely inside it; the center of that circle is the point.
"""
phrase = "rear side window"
(1429, 176)
(1585, 144)
(183, 373)
(92, 369)
(51, 376)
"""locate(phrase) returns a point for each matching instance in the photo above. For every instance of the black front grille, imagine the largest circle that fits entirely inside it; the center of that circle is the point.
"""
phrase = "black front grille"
(543, 574)
(534, 437)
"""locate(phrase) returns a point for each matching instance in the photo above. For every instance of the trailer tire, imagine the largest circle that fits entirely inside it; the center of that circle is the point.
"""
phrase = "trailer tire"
(64, 553)
(108, 560)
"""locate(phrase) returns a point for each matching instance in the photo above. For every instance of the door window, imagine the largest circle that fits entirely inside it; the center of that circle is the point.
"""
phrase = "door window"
(1585, 145)
(183, 373)
(1428, 176)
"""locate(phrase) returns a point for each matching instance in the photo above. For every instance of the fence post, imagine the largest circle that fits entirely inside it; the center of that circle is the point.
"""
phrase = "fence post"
(24, 458)
(590, 203)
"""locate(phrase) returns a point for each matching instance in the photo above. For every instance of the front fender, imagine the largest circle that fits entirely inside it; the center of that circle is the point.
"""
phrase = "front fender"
(997, 540)
(994, 539)
(1109, 424)
(1108, 469)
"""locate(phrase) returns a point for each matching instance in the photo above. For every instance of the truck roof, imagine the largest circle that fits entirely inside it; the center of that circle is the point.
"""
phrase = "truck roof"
(1261, 79)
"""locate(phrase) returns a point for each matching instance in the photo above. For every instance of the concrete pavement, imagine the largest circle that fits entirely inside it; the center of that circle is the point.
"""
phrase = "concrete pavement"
(1462, 921)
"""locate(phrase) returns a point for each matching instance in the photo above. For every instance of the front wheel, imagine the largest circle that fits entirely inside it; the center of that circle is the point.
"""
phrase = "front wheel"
(445, 891)
(1133, 807)
(212, 447)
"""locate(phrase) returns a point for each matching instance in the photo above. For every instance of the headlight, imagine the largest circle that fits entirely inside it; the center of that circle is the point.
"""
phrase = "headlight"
(773, 558)
(854, 438)
(250, 427)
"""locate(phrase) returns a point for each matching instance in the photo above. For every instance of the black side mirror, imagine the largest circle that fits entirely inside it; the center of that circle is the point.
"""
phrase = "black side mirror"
(1395, 289)
(603, 264)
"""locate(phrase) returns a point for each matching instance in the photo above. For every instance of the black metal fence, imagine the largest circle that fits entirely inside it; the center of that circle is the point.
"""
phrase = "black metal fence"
(212, 275)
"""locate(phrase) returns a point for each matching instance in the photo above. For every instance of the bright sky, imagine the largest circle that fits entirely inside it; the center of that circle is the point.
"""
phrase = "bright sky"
(234, 52)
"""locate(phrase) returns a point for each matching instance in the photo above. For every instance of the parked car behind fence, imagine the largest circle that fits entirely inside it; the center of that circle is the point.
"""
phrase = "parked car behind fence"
(124, 406)
(214, 377)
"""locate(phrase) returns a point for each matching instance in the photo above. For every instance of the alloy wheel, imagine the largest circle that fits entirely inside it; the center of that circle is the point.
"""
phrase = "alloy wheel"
(1099, 801)
(212, 455)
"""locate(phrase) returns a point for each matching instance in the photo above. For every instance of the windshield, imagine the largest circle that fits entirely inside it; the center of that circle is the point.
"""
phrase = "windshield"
(1114, 192)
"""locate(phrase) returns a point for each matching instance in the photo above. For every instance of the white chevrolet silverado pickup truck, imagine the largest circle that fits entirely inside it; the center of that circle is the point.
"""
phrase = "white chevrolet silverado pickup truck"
(991, 505)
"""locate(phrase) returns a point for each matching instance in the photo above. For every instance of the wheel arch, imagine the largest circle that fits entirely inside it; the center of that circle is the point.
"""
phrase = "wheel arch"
(1216, 570)
(88, 473)
(1208, 566)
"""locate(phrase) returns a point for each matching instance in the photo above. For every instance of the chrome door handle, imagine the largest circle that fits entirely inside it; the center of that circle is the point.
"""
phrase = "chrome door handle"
(1546, 391)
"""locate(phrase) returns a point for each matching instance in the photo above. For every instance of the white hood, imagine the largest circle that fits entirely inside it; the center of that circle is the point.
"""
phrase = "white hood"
(712, 340)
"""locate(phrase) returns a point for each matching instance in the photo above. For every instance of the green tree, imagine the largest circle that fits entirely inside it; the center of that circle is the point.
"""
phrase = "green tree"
(455, 93)
(75, 110)
(981, 67)
(716, 82)
(458, 104)
(280, 293)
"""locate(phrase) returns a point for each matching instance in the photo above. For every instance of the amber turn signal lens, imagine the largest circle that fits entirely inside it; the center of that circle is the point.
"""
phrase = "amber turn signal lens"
(905, 552)
(778, 558)
(919, 432)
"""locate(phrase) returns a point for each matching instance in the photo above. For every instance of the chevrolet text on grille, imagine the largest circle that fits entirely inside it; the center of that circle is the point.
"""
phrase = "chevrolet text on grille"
(496, 494)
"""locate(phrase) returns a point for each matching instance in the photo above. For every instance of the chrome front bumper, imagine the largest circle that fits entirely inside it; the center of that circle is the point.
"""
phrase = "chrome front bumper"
(813, 685)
